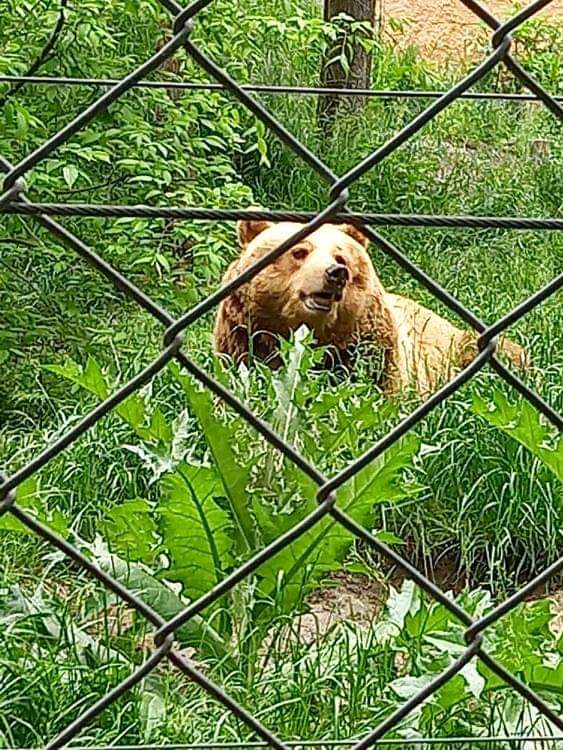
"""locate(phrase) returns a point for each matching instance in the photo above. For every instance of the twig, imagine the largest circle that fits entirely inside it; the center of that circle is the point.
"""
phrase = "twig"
(45, 54)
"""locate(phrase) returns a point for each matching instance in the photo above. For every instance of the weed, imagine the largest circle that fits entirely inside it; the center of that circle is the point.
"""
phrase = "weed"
(479, 486)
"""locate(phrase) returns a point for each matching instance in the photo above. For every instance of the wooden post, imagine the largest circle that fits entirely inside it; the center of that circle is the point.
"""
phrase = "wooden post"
(333, 74)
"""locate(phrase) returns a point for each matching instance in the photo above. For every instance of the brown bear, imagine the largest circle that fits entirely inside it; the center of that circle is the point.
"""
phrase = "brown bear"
(327, 282)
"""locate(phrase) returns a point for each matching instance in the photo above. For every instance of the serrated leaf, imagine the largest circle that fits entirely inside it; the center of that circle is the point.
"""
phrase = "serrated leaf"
(196, 531)
(399, 602)
(159, 427)
(322, 549)
(234, 477)
(131, 531)
(133, 410)
(93, 379)
(90, 377)
(452, 693)
(135, 577)
(475, 681)
(28, 499)
(546, 679)
(524, 423)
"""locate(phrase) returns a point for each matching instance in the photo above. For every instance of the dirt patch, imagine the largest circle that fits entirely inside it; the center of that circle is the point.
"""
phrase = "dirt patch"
(445, 30)
(557, 609)
(348, 598)
(351, 597)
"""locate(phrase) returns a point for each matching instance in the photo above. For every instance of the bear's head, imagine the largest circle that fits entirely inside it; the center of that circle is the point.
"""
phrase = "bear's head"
(326, 281)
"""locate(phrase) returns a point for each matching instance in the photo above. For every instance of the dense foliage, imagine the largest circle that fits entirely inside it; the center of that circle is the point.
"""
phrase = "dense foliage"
(172, 491)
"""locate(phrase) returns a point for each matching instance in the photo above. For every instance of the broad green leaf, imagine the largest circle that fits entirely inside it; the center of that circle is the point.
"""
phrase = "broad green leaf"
(141, 582)
(234, 477)
(431, 619)
(524, 423)
(159, 427)
(21, 603)
(399, 602)
(546, 679)
(380, 481)
(70, 174)
(94, 380)
(131, 531)
(133, 410)
(452, 693)
(323, 547)
(90, 377)
(475, 681)
(285, 419)
(28, 499)
(196, 532)
(69, 370)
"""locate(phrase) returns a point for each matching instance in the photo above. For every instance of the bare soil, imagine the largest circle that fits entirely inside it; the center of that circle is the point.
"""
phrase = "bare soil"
(356, 598)
(350, 598)
(446, 31)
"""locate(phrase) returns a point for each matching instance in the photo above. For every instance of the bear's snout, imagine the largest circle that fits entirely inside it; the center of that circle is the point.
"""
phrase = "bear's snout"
(337, 275)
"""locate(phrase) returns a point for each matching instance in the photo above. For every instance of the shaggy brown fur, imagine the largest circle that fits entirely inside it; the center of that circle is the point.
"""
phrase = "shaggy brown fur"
(328, 282)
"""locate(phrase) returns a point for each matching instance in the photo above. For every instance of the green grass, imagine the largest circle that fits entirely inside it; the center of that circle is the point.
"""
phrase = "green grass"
(492, 518)
(486, 505)
(340, 688)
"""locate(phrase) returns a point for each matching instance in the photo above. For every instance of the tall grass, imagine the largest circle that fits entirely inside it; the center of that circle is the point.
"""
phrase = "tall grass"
(487, 509)
(340, 686)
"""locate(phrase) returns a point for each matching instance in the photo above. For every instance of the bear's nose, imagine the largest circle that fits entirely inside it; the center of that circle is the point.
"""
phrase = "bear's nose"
(337, 274)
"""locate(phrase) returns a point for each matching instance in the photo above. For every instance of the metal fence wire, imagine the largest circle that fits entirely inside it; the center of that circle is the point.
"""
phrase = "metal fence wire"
(14, 201)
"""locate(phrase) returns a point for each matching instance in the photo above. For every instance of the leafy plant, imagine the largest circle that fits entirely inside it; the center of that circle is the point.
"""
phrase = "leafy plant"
(483, 492)
(429, 638)
(525, 424)
(214, 512)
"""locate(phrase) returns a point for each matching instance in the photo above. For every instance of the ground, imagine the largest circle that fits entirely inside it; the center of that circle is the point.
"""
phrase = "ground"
(445, 30)
(356, 598)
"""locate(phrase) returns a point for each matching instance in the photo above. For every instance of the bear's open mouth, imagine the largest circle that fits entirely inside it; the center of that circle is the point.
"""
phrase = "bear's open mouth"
(321, 301)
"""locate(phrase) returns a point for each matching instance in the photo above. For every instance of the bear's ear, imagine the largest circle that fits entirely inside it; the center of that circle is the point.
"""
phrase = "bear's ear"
(248, 229)
(355, 233)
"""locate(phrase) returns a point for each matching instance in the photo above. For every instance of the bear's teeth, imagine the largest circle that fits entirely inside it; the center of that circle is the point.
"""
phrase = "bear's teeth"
(321, 301)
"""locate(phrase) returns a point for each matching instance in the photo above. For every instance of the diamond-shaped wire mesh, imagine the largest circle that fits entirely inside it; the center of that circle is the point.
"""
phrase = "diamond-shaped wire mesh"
(13, 200)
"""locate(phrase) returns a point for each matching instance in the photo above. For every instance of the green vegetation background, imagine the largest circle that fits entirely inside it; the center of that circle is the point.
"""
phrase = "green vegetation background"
(155, 493)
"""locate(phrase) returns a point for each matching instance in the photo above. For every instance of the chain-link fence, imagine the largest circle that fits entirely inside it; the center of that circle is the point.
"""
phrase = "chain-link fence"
(14, 201)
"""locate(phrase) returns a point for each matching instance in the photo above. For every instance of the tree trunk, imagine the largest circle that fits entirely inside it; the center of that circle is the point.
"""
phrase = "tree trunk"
(333, 74)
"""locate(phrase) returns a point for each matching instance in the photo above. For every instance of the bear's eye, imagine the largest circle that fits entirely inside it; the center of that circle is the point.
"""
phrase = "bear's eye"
(340, 259)
(300, 253)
